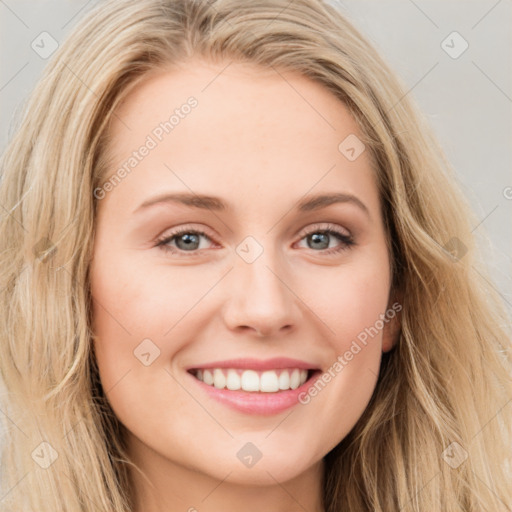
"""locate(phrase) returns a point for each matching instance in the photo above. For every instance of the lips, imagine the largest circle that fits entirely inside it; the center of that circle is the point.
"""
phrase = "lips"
(257, 394)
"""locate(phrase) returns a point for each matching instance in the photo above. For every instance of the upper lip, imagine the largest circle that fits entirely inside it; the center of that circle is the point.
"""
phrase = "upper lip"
(275, 363)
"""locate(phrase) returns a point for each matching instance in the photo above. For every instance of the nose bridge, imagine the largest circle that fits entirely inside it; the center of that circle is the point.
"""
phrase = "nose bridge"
(264, 285)
(262, 299)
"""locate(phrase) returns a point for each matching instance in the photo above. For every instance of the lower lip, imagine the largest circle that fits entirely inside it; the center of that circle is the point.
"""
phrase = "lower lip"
(251, 402)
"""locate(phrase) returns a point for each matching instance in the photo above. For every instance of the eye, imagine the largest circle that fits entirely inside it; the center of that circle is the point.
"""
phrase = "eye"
(319, 237)
(186, 239)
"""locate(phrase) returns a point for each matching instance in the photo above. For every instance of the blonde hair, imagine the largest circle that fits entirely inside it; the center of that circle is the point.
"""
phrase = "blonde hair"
(448, 380)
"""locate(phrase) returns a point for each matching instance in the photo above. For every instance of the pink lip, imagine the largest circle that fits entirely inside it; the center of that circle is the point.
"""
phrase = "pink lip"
(255, 402)
(275, 363)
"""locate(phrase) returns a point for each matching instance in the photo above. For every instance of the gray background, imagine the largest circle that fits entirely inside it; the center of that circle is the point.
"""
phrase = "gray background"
(468, 100)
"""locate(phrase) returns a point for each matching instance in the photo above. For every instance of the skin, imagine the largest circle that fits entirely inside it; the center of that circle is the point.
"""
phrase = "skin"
(261, 146)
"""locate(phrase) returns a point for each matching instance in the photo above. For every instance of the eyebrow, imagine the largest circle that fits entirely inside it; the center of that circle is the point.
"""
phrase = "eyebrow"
(310, 203)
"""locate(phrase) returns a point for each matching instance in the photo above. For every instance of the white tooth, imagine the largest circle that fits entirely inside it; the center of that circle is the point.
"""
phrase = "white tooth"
(295, 379)
(219, 379)
(250, 381)
(269, 382)
(208, 377)
(303, 376)
(284, 380)
(199, 374)
(233, 380)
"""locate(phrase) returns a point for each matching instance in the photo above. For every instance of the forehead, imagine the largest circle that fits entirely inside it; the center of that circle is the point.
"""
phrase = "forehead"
(252, 130)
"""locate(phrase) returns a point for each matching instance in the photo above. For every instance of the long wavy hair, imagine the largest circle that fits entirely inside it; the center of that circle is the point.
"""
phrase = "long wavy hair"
(444, 392)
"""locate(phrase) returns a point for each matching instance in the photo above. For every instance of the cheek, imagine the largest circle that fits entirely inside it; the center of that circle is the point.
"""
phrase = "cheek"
(144, 295)
(129, 301)
(353, 306)
(131, 312)
(351, 301)
(142, 314)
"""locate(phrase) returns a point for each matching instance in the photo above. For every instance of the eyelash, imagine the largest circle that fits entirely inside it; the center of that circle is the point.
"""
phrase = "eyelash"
(346, 241)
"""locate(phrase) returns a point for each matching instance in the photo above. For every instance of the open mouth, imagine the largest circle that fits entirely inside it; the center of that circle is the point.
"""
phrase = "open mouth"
(267, 381)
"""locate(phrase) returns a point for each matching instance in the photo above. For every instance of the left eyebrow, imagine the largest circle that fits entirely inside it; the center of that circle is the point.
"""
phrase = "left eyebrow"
(206, 202)
(319, 201)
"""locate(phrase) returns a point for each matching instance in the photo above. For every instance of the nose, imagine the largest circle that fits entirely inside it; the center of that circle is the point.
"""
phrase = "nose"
(260, 299)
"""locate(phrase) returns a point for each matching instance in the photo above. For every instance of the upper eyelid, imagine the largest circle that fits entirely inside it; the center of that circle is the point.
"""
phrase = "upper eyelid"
(324, 226)
(318, 226)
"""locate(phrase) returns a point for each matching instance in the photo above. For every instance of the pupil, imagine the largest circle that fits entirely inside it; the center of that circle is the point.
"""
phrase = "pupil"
(188, 239)
(321, 238)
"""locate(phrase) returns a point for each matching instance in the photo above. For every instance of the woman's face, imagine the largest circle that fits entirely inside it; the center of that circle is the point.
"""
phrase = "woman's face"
(265, 298)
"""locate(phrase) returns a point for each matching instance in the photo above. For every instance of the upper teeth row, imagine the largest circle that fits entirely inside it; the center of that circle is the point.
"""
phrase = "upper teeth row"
(268, 381)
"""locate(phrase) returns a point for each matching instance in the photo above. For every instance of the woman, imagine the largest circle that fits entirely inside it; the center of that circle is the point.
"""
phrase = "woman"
(173, 336)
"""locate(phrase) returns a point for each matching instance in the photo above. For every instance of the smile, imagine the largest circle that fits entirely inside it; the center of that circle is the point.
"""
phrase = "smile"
(255, 386)
(268, 381)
